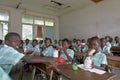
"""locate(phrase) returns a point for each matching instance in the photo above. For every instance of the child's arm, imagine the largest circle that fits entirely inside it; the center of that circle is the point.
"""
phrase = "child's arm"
(68, 57)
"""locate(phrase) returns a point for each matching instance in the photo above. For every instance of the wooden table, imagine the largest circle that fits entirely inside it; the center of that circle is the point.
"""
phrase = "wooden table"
(81, 74)
(41, 65)
(115, 49)
(114, 61)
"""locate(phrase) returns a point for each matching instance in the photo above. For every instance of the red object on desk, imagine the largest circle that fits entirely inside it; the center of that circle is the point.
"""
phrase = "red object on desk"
(60, 60)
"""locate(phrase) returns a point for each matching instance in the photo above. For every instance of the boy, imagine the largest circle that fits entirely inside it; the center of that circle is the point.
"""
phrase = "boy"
(9, 56)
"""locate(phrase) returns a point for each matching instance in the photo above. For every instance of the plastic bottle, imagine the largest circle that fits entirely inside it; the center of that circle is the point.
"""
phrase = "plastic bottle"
(88, 63)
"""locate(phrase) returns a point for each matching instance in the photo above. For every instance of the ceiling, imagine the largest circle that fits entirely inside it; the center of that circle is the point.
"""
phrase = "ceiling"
(46, 6)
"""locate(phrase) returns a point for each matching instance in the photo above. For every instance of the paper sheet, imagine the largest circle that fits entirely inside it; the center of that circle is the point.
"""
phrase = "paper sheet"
(98, 71)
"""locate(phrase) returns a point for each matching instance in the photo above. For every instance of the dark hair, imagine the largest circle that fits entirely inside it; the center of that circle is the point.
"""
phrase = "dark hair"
(67, 40)
(11, 34)
(1, 41)
(34, 40)
(95, 39)
(48, 39)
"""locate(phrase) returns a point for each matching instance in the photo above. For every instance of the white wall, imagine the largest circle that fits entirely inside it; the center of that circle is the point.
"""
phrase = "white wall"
(102, 18)
(15, 20)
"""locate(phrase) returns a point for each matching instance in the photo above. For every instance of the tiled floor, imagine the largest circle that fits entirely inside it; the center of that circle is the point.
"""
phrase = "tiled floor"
(28, 75)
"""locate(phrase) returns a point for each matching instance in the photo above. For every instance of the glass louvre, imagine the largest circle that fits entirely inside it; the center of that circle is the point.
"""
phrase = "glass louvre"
(27, 19)
(49, 22)
(27, 32)
(4, 15)
(39, 21)
(49, 32)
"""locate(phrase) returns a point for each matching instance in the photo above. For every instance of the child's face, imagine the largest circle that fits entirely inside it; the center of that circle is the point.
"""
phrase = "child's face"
(14, 41)
(78, 42)
(103, 42)
(47, 43)
(65, 45)
(34, 43)
(94, 45)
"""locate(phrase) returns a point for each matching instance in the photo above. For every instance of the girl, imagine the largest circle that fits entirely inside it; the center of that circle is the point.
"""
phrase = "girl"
(66, 52)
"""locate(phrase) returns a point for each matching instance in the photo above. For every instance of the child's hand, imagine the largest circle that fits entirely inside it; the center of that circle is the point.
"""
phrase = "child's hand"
(91, 51)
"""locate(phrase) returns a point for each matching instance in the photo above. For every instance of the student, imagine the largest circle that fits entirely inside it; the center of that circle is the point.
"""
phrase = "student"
(74, 42)
(55, 44)
(85, 47)
(104, 49)
(36, 47)
(99, 59)
(77, 48)
(108, 41)
(48, 50)
(60, 44)
(117, 42)
(9, 56)
(27, 46)
(65, 52)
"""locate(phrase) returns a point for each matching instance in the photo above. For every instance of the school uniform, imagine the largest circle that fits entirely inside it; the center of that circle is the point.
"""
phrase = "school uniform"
(36, 49)
(9, 57)
(108, 44)
(70, 52)
(105, 49)
(4, 75)
(99, 58)
(28, 47)
(48, 51)
(84, 49)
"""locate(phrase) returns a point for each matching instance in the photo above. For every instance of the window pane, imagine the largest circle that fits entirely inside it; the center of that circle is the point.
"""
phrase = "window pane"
(4, 15)
(27, 19)
(39, 21)
(49, 32)
(49, 22)
(3, 29)
(27, 32)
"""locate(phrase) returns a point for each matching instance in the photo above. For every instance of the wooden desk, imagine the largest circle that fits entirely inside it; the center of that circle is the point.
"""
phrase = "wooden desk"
(114, 61)
(41, 65)
(115, 49)
(81, 74)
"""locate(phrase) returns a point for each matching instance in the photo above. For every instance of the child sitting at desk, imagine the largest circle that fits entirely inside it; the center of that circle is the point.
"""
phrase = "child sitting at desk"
(99, 59)
(77, 48)
(48, 50)
(65, 52)
(9, 56)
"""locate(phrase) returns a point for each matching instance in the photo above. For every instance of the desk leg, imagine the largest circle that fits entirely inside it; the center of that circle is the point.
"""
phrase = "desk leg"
(51, 75)
(33, 73)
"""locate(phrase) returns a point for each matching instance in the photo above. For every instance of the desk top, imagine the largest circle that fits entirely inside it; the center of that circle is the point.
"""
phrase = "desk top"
(116, 58)
(115, 49)
(37, 59)
(81, 74)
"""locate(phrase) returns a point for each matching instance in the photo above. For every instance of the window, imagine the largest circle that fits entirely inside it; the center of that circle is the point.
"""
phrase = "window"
(39, 21)
(49, 25)
(49, 22)
(38, 27)
(27, 31)
(4, 19)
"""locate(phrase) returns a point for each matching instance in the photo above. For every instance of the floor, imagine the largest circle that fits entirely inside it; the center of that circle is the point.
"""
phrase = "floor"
(27, 75)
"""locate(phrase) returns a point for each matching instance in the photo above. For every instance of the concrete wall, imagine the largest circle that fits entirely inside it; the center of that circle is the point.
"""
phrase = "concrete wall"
(102, 18)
